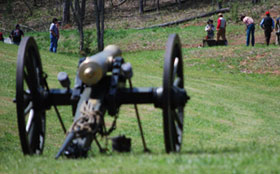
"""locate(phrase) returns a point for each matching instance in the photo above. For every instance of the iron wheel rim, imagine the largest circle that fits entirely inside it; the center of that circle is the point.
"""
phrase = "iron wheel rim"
(29, 90)
(173, 117)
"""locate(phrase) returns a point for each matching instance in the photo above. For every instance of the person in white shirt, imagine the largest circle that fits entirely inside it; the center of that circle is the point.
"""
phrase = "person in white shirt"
(210, 28)
(53, 36)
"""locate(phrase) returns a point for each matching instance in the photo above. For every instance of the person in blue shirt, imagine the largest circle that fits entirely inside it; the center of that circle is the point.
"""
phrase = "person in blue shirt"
(53, 35)
(267, 25)
(277, 29)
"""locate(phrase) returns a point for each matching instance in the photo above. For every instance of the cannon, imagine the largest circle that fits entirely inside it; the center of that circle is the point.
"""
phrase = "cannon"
(99, 90)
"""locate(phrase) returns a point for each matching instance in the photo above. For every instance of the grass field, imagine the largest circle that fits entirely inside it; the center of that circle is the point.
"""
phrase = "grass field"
(231, 123)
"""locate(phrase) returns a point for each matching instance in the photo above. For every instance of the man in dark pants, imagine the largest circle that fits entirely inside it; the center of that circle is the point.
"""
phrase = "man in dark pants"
(17, 34)
(267, 24)
(1, 37)
(250, 29)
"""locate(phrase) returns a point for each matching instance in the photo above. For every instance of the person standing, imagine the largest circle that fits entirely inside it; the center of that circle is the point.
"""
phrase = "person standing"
(58, 35)
(250, 30)
(209, 28)
(53, 35)
(267, 25)
(221, 27)
(277, 29)
(1, 37)
(16, 35)
(57, 26)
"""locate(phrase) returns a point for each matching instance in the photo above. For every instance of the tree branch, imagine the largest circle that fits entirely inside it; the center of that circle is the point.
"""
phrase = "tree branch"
(223, 10)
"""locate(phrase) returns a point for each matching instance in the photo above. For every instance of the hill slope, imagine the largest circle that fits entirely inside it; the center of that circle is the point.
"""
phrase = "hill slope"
(127, 15)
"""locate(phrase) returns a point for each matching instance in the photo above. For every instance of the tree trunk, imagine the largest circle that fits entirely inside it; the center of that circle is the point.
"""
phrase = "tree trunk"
(187, 19)
(79, 17)
(99, 9)
(255, 1)
(81, 31)
(157, 5)
(141, 6)
(82, 17)
(178, 1)
(83, 9)
(220, 4)
(102, 25)
(97, 23)
(66, 12)
(35, 3)
(29, 8)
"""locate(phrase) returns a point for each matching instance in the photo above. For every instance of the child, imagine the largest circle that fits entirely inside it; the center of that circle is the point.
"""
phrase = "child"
(210, 30)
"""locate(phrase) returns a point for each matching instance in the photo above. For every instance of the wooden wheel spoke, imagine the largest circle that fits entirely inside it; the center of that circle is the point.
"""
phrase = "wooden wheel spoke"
(177, 119)
(176, 132)
(27, 98)
(177, 81)
(31, 135)
(28, 108)
(27, 79)
(175, 68)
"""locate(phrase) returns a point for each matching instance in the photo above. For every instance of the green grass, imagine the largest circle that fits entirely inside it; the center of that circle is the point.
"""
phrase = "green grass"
(128, 39)
(231, 122)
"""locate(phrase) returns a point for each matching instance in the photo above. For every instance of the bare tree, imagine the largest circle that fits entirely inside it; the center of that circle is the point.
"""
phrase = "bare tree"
(28, 6)
(157, 5)
(99, 9)
(141, 6)
(66, 12)
(35, 3)
(116, 3)
(220, 4)
(79, 15)
(255, 1)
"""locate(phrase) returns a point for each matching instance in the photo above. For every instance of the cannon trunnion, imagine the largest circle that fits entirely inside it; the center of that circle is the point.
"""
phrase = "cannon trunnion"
(99, 88)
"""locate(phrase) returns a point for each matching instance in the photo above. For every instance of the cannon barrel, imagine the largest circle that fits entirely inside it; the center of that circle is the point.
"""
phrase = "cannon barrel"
(96, 66)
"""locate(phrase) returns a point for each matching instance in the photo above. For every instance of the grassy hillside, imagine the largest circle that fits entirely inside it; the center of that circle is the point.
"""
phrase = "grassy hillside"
(131, 40)
(231, 122)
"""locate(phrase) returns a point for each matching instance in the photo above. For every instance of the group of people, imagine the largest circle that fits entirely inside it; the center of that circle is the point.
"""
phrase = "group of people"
(267, 24)
(17, 34)
(221, 28)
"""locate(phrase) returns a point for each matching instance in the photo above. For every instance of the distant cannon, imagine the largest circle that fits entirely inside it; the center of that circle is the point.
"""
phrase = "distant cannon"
(100, 87)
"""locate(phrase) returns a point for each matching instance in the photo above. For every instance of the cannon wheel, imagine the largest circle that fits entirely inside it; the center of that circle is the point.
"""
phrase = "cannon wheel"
(173, 117)
(30, 87)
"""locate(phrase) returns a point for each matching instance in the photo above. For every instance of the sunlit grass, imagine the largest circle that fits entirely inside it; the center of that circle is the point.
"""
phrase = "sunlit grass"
(231, 122)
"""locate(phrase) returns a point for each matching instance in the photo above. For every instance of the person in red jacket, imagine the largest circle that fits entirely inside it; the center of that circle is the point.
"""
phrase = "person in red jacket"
(221, 27)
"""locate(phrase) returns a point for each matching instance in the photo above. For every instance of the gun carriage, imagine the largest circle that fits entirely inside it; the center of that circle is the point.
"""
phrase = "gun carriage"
(100, 88)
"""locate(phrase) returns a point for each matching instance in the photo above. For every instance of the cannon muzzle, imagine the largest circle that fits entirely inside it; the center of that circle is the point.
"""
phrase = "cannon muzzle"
(96, 66)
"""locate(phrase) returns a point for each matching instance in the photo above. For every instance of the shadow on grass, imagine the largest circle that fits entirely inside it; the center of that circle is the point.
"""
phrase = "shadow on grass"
(212, 151)
(209, 151)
